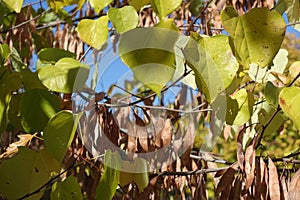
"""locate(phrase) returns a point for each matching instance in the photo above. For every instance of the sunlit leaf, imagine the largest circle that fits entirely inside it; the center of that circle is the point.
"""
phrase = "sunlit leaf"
(245, 103)
(256, 35)
(128, 175)
(289, 99)
(138, 4)
(272, 93)
(94, 32)
(67, 75)
(293, 12)
(167, 23)
(59, 133)
(109, 179)
(68, 189)
(162, 8)
(37, 104)
(26, 172)
(4, 53)
(56, 5)
(152, 62)
(52, 55)
(98, 5)
(208, 63)
(16, 5)
(124, 18)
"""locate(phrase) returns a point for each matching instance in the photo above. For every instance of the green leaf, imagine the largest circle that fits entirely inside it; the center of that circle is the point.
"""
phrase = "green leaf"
(210, 63)
(94, 32)
(124, 18)
(98, 5)
(222, 56)
(189, 80)
(293, 12)
(4, 53)
(31, 80)
(289, 99)
(272, 93)
(232, 110)
(256, 35)
(16, 60)
(262, 75)
(109, 179)
(36, 108)
(152, 62)
(245, 103)
(280, 6)
(138, 4)
(52, 55)
(16, 5)
(68, 189)
(57, 5)
(141, 178)
(196, 7)
(26, 172)
(264, 115)
(162, 8)
(13, 111)
(9, 81)
(66, 76)
(59, 133)
(167, 23)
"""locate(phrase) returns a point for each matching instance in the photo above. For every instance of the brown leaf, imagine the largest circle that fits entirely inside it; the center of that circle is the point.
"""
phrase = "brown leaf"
(294, 191)
(236, 189)
(226, 180)
(13, 147)
(274, 189)
(240, 155)
(166, 133)
(284, 187)
(261, 178)
(250, 163)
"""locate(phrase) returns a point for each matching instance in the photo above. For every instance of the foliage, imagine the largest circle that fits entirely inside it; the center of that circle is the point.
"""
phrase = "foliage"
(237, 72)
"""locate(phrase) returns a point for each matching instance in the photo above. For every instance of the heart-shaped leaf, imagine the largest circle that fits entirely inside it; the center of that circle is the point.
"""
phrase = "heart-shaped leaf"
(67, 75)
(98, 5)
(138, 4)
(124, 18)
(256, 35)
(152, 62)
(162, 7)
(94, 32)
(16, 5)
(289, 99)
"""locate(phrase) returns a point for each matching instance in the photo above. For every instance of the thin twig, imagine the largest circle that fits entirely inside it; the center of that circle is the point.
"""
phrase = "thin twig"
(221, 161)
(278, 109)
(85, 53)
(25, 22)
(200, 171)
(49, 182)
